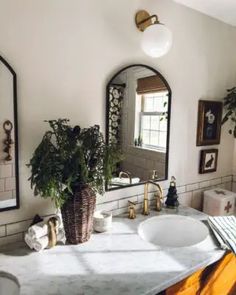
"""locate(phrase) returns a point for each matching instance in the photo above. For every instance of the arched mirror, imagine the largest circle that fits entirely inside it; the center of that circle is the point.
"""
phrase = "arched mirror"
(9, 177)
(138, 105)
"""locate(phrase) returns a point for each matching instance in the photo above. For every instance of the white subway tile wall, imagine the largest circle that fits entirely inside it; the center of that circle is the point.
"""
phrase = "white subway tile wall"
(2, 231)
(19, 227)
(181, 189)
(109, 206)
(215, 181)
(192, 187)
(124, 202)
(204, 184)
(10, 183)
(117, 202)
(227, 179)
(2, 185)
(5, 170)
(7, 181)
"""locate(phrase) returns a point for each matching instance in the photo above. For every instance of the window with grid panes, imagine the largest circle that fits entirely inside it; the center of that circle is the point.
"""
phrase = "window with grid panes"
(153, 120)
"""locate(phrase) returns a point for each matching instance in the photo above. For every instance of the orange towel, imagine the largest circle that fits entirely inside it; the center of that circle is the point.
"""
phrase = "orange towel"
(216, 279)
(222, 279)
(189, 286)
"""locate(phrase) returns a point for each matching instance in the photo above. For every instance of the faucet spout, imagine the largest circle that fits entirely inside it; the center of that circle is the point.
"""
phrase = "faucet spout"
(159, 197)
(159, 188)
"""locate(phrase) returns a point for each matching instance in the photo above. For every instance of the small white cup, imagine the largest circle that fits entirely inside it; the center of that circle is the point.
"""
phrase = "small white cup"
(102, 221)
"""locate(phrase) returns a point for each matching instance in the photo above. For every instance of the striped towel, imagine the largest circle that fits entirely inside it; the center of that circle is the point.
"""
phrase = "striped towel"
(224, 228)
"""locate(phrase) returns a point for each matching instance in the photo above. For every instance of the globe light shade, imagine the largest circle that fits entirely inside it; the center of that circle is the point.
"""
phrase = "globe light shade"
(156, 40)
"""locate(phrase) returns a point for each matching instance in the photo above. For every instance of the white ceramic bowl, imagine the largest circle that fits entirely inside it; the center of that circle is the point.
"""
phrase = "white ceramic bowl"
(9, 284)
(102, 221)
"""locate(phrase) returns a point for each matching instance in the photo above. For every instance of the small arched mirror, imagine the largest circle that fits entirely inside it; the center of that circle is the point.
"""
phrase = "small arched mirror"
(137, 121)
(9, 176)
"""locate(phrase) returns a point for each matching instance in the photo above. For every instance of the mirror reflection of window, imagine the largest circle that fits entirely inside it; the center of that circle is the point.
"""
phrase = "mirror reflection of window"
(152, 120)
(151, 113)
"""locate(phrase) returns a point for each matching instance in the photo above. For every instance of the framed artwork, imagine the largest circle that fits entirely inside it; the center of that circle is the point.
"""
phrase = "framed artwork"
(208, 161)
(209, 122)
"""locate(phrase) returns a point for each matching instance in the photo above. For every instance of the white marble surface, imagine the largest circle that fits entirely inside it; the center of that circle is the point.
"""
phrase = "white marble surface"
(117, 262)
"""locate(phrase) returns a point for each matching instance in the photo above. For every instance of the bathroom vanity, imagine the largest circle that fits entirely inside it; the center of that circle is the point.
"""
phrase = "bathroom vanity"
(115, 262)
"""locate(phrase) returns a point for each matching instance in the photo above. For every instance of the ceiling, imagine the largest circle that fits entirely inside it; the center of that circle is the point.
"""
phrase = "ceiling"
(224, 10)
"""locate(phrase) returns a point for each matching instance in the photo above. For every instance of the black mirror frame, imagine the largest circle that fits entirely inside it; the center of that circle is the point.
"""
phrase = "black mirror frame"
(168, 125)
(15, 135)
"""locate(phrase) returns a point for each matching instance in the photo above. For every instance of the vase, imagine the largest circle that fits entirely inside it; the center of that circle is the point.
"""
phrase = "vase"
(77, 214)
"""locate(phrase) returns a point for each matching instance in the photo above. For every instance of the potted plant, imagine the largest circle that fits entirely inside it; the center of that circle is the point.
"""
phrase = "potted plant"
(70, 166)
(230, 110)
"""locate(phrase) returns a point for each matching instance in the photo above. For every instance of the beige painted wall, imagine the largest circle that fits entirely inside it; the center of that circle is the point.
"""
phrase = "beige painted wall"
(65, 51)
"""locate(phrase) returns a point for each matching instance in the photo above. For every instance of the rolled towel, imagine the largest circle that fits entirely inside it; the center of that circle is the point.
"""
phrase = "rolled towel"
(42, 243)
(41, 229)
(28, 240)
(38, 230)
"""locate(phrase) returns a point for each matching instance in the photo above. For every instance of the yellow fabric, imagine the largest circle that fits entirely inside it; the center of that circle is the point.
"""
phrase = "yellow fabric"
(217, 279)
(222, 279)
(189, 286)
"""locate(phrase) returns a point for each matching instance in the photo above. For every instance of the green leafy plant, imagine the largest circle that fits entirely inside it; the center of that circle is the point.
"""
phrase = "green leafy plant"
(69, 157)
(230, 110)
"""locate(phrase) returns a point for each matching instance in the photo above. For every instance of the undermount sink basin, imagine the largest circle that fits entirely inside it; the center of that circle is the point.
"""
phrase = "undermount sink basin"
(9, 284)
(173, 231)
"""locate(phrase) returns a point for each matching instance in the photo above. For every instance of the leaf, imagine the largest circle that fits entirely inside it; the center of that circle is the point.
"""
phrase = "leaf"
(225, 119)
(231, 89)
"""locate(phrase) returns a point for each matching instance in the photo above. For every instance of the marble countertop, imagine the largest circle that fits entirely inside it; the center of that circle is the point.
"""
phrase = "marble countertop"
(116, 262)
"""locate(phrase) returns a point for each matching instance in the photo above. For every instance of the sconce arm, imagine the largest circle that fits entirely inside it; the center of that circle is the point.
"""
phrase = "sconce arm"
(149, 18)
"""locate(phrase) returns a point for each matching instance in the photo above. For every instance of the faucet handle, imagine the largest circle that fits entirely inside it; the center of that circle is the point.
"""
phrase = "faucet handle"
(132, 210)
(154, 175)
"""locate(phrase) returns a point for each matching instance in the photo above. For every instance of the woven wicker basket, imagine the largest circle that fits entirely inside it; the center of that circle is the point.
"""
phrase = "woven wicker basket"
(77, 215)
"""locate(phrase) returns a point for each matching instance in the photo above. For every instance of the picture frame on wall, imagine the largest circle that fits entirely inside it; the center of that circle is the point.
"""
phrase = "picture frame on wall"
(208, 161)
(209, 122)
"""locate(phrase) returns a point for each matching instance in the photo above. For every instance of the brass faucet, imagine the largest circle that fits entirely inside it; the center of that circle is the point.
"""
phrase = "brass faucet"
(126, 174)
(159, 198)
(145, 200)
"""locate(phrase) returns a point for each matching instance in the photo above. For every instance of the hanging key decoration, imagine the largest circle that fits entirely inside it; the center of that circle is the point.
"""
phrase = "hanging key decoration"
(7, 126)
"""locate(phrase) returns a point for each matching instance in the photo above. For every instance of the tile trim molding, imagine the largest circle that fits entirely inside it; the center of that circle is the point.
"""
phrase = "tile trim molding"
(189, 194)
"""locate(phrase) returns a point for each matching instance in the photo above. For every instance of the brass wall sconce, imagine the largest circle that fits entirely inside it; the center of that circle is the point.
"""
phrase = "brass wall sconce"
(157, 38)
